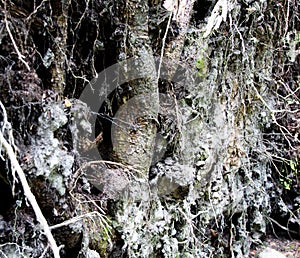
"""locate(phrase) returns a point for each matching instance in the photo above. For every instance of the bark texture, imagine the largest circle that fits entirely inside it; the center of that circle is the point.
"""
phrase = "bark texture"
(200, 140)
(134, 146)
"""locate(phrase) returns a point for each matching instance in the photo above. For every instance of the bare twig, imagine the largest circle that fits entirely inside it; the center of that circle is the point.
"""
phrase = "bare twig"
(20, 56)
(282, 227)
(163, 47)
(282, 129)
(36, 10)
(27, 192)
(77, 218)
(6, 126)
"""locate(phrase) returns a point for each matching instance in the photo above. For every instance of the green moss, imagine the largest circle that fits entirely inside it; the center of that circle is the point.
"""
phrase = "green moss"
(103, 244)
(201, 66)
(288, 172)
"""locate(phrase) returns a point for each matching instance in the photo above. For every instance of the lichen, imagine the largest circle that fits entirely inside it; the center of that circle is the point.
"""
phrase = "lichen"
(50, 158)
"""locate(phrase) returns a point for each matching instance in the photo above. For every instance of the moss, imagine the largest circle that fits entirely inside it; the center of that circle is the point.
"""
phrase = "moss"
(201, 66)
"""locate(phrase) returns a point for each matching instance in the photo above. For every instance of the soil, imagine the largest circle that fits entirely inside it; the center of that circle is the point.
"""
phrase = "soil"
(290, 248)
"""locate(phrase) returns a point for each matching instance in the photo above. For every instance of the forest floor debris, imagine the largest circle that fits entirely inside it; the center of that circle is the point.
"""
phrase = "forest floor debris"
(290, 248)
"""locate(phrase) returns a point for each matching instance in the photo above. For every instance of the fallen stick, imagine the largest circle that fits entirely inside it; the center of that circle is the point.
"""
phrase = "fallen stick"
(29, 195)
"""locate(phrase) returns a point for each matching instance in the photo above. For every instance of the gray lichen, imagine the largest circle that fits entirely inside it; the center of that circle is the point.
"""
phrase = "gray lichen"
(50, 158)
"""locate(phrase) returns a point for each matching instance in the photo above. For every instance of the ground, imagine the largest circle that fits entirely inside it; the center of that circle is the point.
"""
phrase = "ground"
(290, 248)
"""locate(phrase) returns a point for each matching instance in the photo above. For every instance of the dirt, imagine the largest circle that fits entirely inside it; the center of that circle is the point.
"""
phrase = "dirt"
(290, 248)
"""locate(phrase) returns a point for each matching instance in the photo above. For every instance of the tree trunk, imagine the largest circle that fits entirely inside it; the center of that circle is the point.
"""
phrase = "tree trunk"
(60, 12)
(134, 144)
(201, 132)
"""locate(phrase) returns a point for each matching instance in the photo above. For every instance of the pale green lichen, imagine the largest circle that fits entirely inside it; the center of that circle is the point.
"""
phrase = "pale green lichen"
(50, 158)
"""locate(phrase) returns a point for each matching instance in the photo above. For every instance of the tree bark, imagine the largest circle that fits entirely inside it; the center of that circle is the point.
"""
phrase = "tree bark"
(60, 11)
(134, 144)
(230, 172)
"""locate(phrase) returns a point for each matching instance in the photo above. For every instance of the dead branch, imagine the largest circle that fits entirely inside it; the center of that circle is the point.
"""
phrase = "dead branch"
(20, 56)
(27, 192)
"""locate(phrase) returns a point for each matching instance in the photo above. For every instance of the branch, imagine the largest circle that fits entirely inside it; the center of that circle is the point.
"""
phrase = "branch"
(283, 129)
(163, 47)
(27, 192)
(20, 56)
(36, 10)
